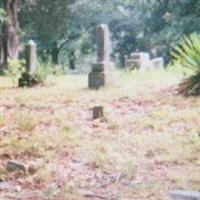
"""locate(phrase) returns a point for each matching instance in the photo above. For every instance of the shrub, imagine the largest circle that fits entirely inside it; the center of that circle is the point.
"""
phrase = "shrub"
(187, 54)
(15, 69)
(43, 70)
(39, 77)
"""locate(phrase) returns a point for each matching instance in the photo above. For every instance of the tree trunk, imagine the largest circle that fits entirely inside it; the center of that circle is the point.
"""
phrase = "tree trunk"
(122, 59)
(72, 59)
(54, 55)
(9, 36)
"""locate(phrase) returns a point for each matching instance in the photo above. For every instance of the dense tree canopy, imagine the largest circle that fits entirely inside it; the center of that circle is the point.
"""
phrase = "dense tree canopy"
(65, 29)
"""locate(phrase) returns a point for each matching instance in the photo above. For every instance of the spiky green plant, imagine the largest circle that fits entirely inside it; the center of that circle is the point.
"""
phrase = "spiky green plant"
(187, 54)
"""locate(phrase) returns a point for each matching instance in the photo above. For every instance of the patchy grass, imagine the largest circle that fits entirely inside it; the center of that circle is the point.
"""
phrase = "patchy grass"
(26, 122)
(2, 120)
(147, 143)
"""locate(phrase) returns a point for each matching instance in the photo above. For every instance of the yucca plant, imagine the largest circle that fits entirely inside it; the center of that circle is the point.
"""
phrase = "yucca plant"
(187, 54)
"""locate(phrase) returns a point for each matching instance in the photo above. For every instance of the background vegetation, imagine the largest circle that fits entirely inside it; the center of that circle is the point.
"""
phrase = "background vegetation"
(64, 30)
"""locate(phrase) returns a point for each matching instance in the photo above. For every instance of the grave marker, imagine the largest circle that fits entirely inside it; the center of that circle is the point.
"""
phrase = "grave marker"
(97, 77)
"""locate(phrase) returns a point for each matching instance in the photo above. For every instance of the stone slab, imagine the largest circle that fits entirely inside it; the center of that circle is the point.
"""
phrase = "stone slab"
(140, 55)
(184, 195)
(133, 63)
(157, 63)
(138, 60)
(97, 112)
(15, 166)
(101, 66)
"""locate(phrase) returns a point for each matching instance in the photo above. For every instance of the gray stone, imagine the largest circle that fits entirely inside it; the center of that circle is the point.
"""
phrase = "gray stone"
(184, 195)
(5, 186)
(15, 166)
(138, 60)
(133, 63)
(98, 67)
(103, 43)
(97, 112)
(135, 55)
(31, 57)
(157, 63)
(96, 80)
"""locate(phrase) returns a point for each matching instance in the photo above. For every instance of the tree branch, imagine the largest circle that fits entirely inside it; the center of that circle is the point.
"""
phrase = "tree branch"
(67, 40)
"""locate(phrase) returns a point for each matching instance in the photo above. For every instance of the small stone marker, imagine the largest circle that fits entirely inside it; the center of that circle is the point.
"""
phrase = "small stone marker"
(28, 78)
(15, 166)
(184, 195)
(31, 57)
(97, 77)
(97, 112)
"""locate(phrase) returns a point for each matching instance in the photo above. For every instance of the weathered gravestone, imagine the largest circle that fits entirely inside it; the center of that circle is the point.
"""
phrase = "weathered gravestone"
(31, 57)
(138, 60)
(97, 112)
(28, 77)
(184, 195)
(157, 63)
(97, 78)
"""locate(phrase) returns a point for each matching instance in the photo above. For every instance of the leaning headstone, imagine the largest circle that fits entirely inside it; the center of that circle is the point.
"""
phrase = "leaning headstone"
(97, 77)
(157, 63)
(184, 195)
(28, 78)
(97, 112)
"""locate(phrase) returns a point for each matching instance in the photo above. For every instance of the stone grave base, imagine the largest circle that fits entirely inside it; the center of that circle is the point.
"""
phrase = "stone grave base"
(96, 80)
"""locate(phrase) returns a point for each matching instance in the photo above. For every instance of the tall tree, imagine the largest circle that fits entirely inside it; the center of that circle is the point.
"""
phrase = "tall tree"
(68, 26)
(48, 19)
(9, 38)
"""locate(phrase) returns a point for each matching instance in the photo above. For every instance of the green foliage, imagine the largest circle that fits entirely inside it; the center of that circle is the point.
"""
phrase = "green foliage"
(46, 68)
(2, 15)
(62, 26)
(57, 70)
(15, 69)
(187, 54)
(43, 70)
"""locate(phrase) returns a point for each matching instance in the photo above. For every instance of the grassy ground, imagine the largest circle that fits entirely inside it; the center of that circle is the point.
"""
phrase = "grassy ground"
(147, 144)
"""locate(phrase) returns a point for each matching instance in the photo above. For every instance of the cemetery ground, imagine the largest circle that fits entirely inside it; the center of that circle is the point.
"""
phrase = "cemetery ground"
(147, 143)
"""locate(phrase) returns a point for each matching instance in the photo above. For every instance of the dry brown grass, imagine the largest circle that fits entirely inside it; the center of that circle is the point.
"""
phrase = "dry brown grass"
(147, 144)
